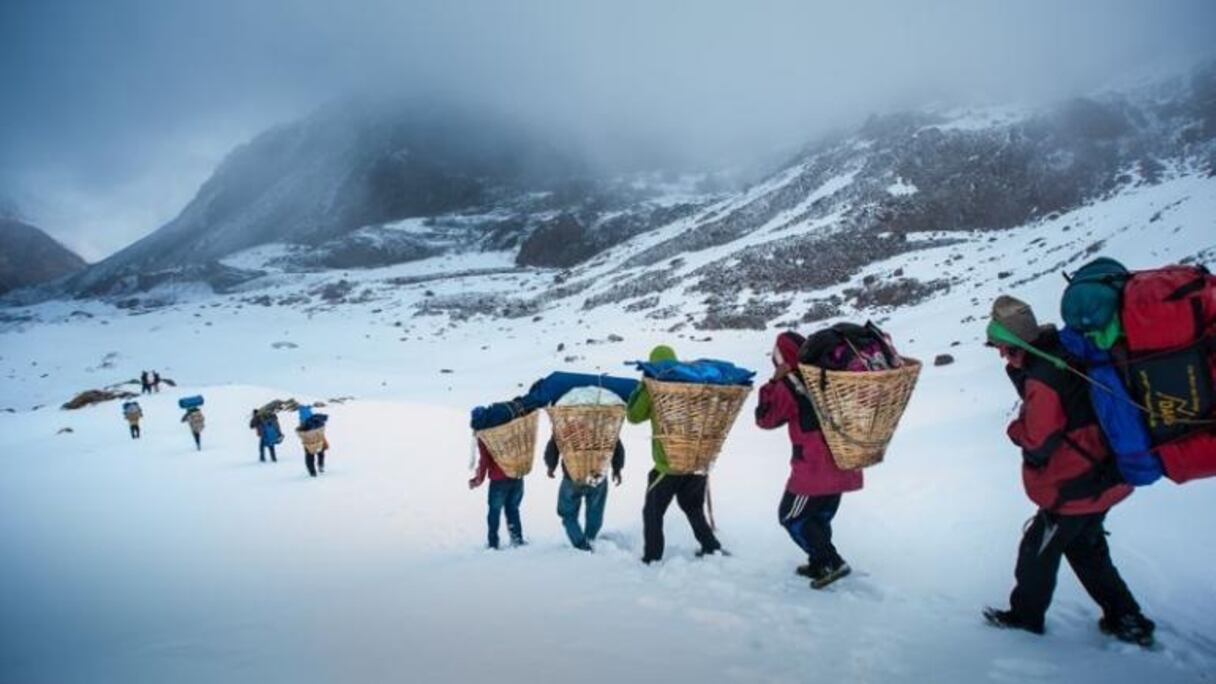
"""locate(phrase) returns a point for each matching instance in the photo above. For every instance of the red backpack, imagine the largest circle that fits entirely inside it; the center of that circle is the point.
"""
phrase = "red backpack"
(1168, 308)
(1169, 321)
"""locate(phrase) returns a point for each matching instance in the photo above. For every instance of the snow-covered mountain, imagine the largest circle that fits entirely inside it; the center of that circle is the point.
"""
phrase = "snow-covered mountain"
(361, 186)
(330, 183)
(28, 256)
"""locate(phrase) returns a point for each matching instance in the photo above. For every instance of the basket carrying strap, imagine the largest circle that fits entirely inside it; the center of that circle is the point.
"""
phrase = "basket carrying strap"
(709, 505)
(473, 452)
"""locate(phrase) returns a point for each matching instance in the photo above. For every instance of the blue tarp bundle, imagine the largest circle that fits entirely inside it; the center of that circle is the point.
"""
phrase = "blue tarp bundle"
(190, 402)
(544, 392)
(701, 371)
(1121, 421)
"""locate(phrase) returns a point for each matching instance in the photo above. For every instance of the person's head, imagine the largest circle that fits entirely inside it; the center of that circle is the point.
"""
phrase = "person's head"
(785, 351)
(1012, 326)
(662, 353)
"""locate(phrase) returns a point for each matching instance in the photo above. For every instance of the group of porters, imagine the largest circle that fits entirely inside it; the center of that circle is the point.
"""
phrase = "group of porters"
(264, 421)
(1119, 397)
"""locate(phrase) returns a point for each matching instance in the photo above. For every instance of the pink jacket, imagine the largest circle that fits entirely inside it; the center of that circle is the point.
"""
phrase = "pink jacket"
(812, 470)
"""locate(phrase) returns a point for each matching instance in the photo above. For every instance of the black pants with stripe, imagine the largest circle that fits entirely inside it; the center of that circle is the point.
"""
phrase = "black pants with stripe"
(808, 520)
(1082, 540)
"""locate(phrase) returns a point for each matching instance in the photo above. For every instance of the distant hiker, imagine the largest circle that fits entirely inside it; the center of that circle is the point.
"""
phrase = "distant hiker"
(156, 381)
(311, 432)
(570, 496)
(133, 413)
(504, 496)
(1069, 473)
(813, 490)
(266, 425)
(145, 383)
(194, 416)
(688, 490)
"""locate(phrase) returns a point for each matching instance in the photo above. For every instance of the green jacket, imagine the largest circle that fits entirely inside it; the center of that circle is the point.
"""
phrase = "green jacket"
(639, 410)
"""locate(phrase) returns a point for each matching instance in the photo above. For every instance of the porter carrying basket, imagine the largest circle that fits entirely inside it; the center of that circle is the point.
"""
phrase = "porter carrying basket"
(586, 436)
(692, 420)
(313, 440)
(859, 410)
(512, 445)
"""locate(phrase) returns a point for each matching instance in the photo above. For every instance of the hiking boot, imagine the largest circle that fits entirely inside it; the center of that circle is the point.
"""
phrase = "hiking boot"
(830, 574)
(808, 571)
(1007, 619)
(1132, 628)
(709, 552)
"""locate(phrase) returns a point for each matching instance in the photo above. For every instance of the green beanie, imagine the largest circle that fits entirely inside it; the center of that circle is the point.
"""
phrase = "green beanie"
(662, 353)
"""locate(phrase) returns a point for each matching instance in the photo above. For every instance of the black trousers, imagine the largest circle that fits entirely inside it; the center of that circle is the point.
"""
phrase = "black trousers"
(134, 431)
(198, 440)
(262, 452)
(319, 463)
(689, 493)
(1082, 540)
(808, 520)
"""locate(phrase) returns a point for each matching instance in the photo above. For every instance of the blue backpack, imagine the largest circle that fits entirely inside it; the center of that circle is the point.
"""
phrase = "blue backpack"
(271, 434)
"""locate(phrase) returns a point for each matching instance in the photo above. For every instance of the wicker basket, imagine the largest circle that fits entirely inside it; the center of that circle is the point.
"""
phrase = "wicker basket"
(858, 411)
(692, 421)
(313, 440)
(586, 436)
(512, 445)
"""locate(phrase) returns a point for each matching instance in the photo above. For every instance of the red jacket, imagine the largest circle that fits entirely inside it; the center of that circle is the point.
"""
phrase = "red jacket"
(812, 470)
(487, 466)
(1066, 466)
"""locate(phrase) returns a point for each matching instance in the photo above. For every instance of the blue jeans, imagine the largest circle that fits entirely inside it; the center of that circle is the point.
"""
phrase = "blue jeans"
(505, 494)
(569, 499)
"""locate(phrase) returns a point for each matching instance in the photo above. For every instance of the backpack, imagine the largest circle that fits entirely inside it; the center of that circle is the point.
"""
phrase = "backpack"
(1168, 308)
(1166, 369)
(271, 434)
(1091, 298)
(850, 347)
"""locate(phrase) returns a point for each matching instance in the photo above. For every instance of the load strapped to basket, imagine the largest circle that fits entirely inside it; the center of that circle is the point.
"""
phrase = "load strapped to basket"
(586, 426)
(131, 408)
(313, 440)
(512, 445)
(694, 404)
(859, 387)
(187, 403)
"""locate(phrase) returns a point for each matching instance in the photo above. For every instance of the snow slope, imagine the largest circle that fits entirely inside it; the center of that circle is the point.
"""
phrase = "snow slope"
(144, 561)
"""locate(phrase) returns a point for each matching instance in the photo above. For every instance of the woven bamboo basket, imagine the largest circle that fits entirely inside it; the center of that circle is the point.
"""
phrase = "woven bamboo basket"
(858, 411)
(692, 421)
(512, 445)
(586, 436)
(313, 440)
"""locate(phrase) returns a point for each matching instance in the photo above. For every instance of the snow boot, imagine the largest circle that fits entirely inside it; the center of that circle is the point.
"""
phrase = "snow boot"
(830, 574)
(808, 571)
(1007, 619)
(1132, 628)
(709, 552)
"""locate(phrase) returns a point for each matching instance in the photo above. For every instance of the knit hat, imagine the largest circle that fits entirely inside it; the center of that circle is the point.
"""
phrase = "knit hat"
(662, 353)
(1016, 317)
(786, 348)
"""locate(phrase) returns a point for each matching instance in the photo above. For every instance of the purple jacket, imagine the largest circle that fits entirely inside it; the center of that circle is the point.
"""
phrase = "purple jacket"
(812, 470)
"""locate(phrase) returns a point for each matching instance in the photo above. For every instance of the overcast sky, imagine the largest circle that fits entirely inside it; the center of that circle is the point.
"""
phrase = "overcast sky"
(114, 111)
